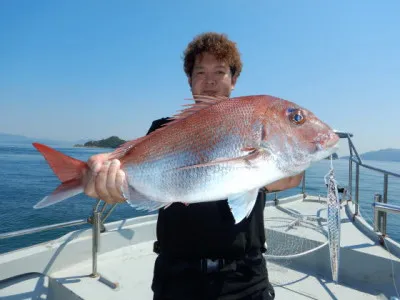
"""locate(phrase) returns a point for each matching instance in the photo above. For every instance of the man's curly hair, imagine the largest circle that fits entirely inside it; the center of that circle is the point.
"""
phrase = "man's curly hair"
(217, 44)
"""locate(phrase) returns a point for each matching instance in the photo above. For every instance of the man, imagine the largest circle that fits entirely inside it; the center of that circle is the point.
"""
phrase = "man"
(202, 253)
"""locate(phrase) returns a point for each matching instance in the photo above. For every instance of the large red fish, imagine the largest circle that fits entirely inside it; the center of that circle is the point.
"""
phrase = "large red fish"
(215, 149)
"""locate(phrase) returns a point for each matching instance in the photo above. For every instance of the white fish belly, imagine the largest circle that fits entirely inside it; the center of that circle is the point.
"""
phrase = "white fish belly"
(204, 183)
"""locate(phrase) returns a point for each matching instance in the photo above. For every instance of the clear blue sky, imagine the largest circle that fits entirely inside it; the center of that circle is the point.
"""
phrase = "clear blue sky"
(91, 69)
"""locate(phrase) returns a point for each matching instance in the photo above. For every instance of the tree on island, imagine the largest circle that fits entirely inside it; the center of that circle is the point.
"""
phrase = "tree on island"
(111, 142)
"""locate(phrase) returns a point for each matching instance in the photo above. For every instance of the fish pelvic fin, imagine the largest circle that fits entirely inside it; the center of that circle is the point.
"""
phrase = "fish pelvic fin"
(69, 170)
(242, 204)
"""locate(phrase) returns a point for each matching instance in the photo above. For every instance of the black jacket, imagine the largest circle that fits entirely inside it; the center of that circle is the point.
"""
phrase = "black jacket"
(207, 230)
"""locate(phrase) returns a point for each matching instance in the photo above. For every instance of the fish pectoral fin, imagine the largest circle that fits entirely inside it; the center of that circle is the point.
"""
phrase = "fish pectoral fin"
(244, 160)
(241, 205)
(140, 201)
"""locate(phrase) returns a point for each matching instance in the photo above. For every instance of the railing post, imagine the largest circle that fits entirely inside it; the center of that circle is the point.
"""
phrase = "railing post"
(276, 198)
(303, 187)
(357, 187)
(377, 214)
(385, 200)
(350, 179)
(96, 242)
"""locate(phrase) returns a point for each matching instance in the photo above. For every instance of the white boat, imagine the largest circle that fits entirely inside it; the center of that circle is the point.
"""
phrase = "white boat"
(118, 262)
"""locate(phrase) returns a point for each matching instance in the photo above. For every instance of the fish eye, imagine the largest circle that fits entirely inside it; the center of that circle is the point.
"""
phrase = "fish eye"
(296, 116)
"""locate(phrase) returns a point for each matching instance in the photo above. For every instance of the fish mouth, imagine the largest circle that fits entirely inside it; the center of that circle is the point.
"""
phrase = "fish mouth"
(327, 141)
(333, 141)
(326, 145)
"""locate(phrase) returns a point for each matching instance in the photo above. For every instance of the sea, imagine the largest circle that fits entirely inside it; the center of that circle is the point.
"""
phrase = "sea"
(25, 178)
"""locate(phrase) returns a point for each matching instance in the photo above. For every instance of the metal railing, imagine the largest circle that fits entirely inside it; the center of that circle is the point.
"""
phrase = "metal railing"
(380, 205)
(42, 228)
(380, 214)
(97, 220)
(89, 220)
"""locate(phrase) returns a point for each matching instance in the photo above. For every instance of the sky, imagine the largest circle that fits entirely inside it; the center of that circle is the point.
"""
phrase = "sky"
(72, 70)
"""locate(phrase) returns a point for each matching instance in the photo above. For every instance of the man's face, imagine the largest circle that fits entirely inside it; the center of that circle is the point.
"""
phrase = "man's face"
(211, 77)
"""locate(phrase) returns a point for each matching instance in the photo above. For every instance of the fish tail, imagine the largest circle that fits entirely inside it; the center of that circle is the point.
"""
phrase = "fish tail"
(70, 172)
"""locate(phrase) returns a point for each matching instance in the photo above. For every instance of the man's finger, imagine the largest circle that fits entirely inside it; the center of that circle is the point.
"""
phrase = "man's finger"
(95, 162)
(101, 184)
(119, 183)
(89, 185)
(113, 189)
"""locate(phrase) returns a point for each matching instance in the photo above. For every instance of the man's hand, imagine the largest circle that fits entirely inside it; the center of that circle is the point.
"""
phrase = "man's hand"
(286, 183)
(104, 179)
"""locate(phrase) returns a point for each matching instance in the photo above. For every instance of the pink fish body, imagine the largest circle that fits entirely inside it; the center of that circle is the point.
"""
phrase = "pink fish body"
(216, 149)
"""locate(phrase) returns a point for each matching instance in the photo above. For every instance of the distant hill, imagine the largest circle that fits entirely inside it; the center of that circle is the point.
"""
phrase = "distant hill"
(5, 137)
(111, 142)
(382, 155)
(21, 139)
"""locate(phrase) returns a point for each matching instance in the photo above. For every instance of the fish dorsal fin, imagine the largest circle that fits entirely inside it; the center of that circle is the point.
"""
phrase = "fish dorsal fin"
(202, 102)
(125, 147)
(209, 99)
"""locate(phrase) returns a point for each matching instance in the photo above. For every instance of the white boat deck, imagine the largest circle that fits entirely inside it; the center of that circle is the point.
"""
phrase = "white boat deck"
(126, 259)
(131, 268)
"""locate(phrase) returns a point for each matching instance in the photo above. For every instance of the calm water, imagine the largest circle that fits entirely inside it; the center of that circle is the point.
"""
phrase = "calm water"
(25, 178)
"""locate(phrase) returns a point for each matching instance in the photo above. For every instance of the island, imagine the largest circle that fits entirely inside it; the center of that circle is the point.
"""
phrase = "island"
(111, 142)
